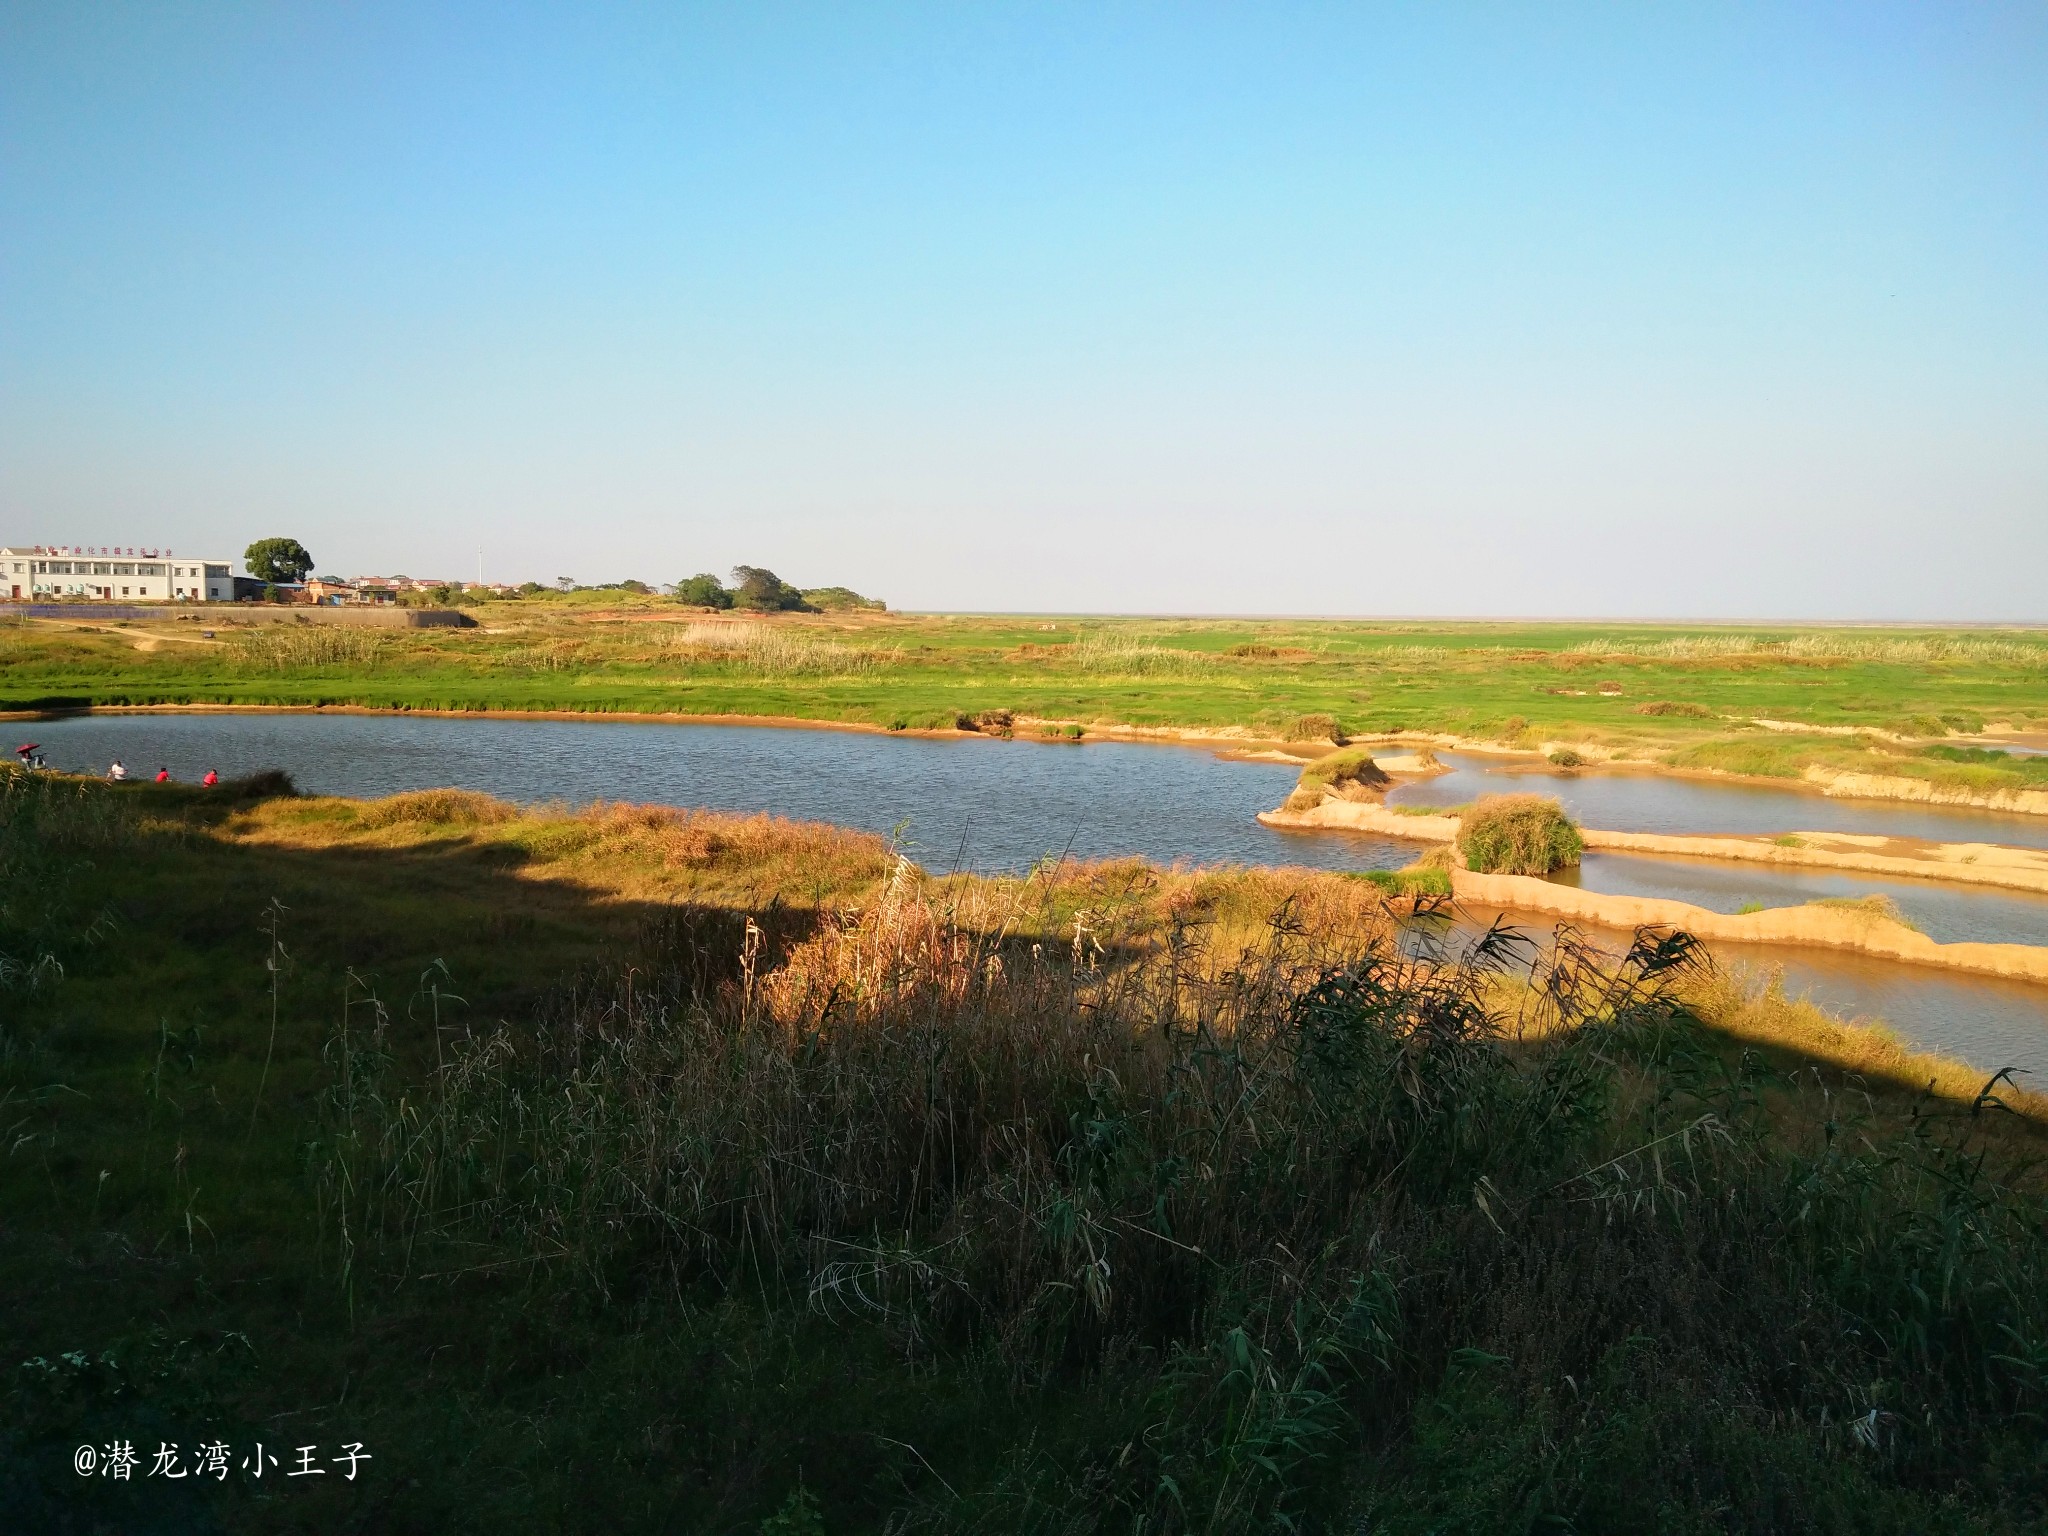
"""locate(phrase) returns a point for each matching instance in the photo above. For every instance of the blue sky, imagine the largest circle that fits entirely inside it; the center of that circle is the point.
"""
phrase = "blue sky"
(1596, 309)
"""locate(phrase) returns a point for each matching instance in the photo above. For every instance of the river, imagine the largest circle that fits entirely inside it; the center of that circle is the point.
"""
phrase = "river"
(986, 804)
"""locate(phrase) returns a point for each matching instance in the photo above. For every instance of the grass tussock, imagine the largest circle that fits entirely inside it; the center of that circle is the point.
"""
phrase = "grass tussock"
(1428, 876)
(770, 650)
(299, 648)
(1314, 728)
(793, 855)
(1877, 908)
(1518, 835)
(1117, 654)
(437, 808)
(1351, 771)
(1666, 707)
(1253, 650)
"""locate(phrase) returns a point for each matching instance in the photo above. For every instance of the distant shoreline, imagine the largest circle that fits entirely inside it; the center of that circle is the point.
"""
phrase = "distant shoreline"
(1227, 741)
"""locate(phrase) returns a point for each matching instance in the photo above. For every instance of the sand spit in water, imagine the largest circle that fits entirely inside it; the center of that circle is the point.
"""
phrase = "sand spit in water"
(1821, 927)
(1987, 864)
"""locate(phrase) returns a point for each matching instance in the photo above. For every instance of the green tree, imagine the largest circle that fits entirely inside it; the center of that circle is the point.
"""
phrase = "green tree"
(703, 591)
(760, 589)
(277, 560)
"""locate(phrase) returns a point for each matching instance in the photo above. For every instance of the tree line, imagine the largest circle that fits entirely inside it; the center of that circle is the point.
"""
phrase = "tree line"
(754, 588)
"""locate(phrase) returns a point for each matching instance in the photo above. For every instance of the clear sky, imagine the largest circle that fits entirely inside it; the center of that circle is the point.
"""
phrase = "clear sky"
(1429, 309)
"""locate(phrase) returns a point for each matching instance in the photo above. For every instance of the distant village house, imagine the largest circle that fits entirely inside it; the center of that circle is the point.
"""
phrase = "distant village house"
(51, 572)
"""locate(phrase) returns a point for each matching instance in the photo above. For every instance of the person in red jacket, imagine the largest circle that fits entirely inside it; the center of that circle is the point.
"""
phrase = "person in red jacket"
(163, 775)
(211, 779)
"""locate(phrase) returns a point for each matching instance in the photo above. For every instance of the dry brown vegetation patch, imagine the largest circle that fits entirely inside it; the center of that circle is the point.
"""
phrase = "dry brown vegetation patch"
(437, 807)
(1667, 707)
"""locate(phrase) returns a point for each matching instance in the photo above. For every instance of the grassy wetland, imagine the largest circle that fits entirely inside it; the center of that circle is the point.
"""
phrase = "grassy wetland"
(638, 1169)
(1778, 703)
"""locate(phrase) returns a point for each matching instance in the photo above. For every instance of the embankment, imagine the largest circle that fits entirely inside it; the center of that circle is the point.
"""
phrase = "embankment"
(1985, 864)
(1883, 786)
(1824, 927)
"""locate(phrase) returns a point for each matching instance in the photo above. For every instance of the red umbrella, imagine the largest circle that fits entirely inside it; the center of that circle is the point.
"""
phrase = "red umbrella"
(29, 748)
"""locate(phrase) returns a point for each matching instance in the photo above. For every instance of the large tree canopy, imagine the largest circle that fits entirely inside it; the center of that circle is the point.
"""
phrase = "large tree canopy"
(761, 589)
(276, 560)
(703, 591)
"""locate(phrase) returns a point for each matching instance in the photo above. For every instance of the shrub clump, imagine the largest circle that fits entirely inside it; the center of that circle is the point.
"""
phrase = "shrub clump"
(1254, 650)
(263, 784)
(1314, 728)
(1667, 707)
(996, 722)
(1518, 835)
(1565, 757)
(1335, 772)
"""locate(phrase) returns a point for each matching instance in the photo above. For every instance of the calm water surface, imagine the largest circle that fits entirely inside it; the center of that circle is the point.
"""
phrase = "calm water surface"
(1642, 802)
(995, 805)
(1983, 1020)
(980, 803)
(1950, 914)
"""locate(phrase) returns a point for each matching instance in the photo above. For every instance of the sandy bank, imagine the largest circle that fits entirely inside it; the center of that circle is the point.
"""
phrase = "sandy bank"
(1993, 864)
(1366, 816)
(1988, 864)
(1836, 783)
(1882, 786)
(1819, 927)
(1230, 740)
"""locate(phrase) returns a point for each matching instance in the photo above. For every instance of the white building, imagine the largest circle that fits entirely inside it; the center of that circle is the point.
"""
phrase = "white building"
(43, 572)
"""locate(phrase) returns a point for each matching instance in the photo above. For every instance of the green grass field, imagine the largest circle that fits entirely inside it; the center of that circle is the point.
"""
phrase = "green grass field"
(1113, 1200)
(1686, 696)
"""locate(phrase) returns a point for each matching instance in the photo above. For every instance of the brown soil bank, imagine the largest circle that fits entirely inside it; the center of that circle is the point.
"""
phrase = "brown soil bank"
(1821, 927)
(1882, 786)
(1992, 864)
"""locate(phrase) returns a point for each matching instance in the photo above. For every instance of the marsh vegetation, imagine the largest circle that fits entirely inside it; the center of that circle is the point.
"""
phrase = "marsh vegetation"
(641, 1168)
(1879, 702)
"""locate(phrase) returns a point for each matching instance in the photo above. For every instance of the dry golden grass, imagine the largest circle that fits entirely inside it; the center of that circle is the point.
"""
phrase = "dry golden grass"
(1751, 1008)
(1124, 907)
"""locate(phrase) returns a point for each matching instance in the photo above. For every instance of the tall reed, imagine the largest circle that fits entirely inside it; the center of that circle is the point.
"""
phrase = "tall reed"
(1275, 1190)
(768, 650)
